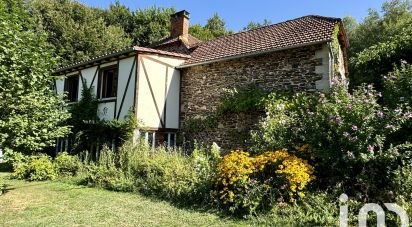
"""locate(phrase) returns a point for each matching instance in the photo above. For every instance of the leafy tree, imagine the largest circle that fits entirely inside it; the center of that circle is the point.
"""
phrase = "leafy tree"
(30, 113)
(375, 29)
(76, 31)
(371, 64)
(254, 25)
(215, 27)
(151, 24)
(200, 32)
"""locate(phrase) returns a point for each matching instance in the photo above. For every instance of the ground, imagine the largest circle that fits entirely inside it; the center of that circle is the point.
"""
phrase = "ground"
(65, 204)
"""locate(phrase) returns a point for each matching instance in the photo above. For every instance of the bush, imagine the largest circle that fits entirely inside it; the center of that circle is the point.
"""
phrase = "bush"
(32, 168)
(40, 168)
(246, 184)
(347, 133)
(67, 165)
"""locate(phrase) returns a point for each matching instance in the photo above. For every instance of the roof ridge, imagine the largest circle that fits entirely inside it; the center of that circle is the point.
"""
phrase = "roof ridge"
(270, 25)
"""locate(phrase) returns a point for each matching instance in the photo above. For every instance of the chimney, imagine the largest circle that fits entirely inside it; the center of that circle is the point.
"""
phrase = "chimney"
(179, 24)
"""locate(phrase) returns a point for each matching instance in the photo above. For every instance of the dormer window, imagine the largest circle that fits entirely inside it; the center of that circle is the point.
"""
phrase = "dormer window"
(108, 82)
(71, 87)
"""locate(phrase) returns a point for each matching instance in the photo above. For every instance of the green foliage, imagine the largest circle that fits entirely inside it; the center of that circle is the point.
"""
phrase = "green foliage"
(30, 113)
(402, 183)
(88, 130)
(242, 100)
(347, 132)
(316, 209)
(67, 165)
(77, 32)
(33, 168)
(378, 27)
(379, 59)
(151, 24)
(398, 86)
(214, 28)
(164, 173)
(248, 184)
(378, 42)
(254, 25)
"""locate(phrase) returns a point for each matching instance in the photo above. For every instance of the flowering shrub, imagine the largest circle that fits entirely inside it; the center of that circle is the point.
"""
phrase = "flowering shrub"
(346, 131)
(246, 183)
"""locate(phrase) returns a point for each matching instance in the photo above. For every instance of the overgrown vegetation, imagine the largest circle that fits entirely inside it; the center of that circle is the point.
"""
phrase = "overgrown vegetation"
(31, 115)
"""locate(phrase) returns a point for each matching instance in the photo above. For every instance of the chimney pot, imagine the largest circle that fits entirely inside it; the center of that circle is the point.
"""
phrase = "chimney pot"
(179, 24)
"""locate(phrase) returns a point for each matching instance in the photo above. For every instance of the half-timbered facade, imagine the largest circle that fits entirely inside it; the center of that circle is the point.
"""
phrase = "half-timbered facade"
(180, 78)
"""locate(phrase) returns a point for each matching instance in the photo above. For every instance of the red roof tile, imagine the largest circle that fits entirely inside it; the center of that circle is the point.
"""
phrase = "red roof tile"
(300, 31)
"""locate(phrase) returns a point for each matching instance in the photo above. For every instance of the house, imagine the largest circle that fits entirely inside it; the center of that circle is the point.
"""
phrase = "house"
(180, 78)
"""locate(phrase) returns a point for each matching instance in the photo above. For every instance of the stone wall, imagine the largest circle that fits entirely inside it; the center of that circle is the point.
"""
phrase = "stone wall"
(201, 87)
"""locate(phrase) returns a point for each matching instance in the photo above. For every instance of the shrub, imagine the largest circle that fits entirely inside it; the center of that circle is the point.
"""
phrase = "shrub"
(67, 165)
(247, 183)
(347, 133)
(40, 168)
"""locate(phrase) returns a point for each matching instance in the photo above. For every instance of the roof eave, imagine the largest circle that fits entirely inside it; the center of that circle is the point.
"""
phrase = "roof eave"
(252, 54)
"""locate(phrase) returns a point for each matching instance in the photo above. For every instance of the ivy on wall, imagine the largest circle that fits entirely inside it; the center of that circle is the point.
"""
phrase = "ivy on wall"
(89, 131)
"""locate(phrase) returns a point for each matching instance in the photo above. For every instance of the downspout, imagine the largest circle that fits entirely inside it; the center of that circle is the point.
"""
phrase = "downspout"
(331, 64)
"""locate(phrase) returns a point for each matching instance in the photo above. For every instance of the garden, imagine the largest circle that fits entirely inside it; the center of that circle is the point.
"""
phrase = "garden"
(307, 150)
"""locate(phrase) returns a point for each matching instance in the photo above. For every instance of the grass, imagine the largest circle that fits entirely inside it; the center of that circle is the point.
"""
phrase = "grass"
(64, 204)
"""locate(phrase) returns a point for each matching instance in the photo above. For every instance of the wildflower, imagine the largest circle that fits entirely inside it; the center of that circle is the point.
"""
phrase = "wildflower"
(350, 155)
(370, 148)
(408, 115)
(345, 134)
(379, 114)
(353, 139)
(391, 127)
(354, 128)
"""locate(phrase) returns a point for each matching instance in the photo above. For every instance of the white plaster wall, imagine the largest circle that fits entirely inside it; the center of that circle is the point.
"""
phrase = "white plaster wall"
(105, 111)
(125, 66)
(325, 69)
(88, 75)
(163, 91)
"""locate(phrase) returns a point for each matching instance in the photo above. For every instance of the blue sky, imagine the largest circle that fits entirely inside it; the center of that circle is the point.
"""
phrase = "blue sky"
(238, 14)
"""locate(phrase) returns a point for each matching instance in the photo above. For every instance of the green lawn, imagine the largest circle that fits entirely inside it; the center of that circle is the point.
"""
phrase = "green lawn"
(63, 204)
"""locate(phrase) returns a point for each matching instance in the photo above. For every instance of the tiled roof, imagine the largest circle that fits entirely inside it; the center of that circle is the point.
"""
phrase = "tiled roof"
(300, 31)
(191, 41)
(119, 53)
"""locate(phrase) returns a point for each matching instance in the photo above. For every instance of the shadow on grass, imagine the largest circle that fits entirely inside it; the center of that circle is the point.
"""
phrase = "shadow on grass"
(4, 188)
(5, 167)
(201, 205)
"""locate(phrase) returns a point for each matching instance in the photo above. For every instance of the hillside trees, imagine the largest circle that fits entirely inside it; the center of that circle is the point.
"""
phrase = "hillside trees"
(30, 113)
(379, 30)
(76, 31)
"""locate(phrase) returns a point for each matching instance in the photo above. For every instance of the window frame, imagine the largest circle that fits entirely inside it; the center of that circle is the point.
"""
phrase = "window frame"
(66, 89)
(101, 95)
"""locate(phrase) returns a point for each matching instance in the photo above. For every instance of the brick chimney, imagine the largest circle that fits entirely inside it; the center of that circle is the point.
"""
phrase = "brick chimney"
(179, 24)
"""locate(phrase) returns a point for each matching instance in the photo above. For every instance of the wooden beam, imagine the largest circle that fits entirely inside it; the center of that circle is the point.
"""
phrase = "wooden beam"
(94, 76)
(126, 88)
(165, 105)
(152, 93)
(157, 61)
(136, 85)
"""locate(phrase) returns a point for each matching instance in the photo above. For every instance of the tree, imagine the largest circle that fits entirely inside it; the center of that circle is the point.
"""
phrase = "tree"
(77, 32)
(150, 25)
(370, 65)
(31, 115)
(375, 29)
(254, 25)
(215, 27)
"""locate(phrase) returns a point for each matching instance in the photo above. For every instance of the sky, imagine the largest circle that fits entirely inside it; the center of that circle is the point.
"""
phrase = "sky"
(238, 13)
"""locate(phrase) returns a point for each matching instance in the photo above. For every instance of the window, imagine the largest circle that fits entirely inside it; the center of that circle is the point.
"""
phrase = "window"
(108, 82)
(71, 87)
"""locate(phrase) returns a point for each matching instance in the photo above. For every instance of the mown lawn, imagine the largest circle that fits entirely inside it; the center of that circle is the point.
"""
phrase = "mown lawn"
(63, 204)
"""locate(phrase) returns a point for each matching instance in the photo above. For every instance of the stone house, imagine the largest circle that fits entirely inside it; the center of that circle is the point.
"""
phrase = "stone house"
(180, 79)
